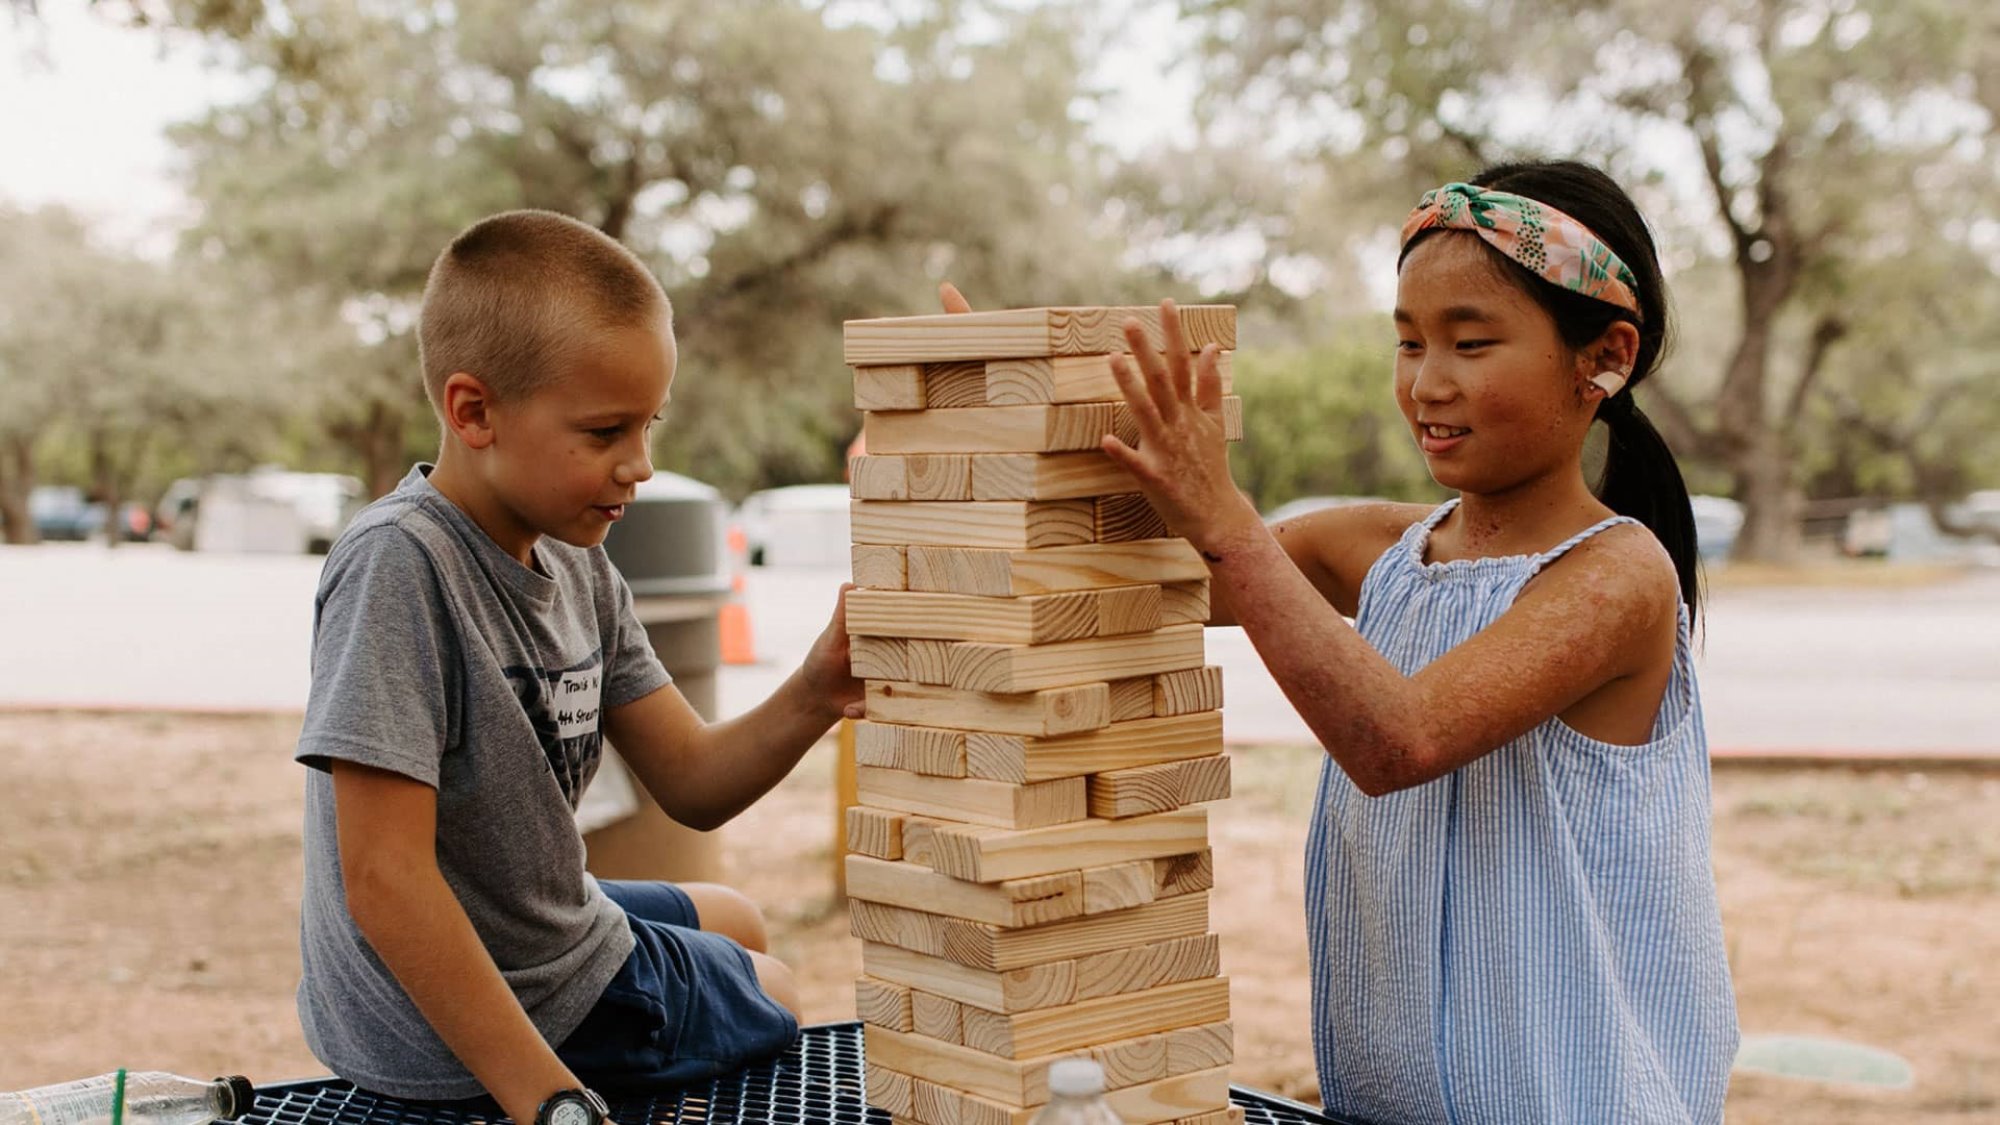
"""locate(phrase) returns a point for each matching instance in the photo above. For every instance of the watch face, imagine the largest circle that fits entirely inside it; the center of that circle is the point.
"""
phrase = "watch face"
(570, 1111)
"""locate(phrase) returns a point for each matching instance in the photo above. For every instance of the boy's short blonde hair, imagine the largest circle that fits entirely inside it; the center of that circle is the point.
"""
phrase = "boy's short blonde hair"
(515, 292)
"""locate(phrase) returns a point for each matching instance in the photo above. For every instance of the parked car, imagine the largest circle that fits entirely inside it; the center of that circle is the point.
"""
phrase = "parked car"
(797, 525)
(266, 510)
(1717, 522)
(63, 512)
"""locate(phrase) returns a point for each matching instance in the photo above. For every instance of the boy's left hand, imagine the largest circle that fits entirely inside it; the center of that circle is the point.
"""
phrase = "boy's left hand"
(828, 669)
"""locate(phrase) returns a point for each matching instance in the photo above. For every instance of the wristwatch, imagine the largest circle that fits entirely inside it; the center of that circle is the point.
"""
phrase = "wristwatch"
(572, 1107)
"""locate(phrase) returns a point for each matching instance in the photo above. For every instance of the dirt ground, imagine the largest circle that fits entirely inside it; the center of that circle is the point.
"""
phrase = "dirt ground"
(149, 872)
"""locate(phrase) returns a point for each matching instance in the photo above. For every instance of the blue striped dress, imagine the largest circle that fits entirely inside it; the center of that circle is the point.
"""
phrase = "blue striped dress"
(1535, 936)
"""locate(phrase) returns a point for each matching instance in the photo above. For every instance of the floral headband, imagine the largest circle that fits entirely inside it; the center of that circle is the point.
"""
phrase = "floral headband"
(1550, 244)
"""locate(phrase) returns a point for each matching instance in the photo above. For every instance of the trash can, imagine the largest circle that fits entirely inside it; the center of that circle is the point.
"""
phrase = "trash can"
(672, 549)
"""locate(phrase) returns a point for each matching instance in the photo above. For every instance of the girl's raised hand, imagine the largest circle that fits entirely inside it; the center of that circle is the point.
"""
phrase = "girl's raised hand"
(1182, 461)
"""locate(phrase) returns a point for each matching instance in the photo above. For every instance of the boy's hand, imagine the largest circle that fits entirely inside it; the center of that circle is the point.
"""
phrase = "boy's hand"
(828, 669)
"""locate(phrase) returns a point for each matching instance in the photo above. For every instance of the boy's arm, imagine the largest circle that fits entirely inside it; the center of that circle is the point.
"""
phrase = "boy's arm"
(387, 829)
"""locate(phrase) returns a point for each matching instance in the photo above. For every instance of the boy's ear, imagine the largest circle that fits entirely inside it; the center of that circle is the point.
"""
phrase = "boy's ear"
(468, 409)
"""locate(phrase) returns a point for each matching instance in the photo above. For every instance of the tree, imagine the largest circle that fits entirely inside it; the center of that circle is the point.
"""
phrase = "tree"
(1807, 119)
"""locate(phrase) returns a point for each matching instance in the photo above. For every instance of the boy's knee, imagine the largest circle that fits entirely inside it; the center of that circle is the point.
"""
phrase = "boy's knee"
(775, 977)
(726, 911)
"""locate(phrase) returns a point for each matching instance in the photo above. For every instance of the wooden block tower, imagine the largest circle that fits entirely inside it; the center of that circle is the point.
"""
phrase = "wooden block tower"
(1030, 866)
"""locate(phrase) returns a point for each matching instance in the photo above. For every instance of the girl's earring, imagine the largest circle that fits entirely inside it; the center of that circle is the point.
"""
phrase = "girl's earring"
(1610, 382)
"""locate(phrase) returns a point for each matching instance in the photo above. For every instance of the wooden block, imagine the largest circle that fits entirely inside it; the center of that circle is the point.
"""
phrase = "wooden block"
(1019, 1035)
(1035, 619)
(1115, 972)
(1120, 886)
(1183, 874)
(1031, 986)
(882, 1003)
(979, 666)
(953, 385)
(927, 750)
(889, 387)
(1168, 785)
(1047, 476)
(1232, 1115)
(1126, 518)
(1025, 1082)
(992, 429)
(974, 800)
(1131, 699)
(878, 658)
(1159, 1102)
(1199, 1048)
(973, 523)
(1187, 691)
(981, 945)
(1011, 333)
(918, 476)
(875, 832)
(938, 1017)
(1184, 603)
(1142, 742)
(880, 567)
(890, 1091)
(1011, 573)
(988, 855)
(1063, 710)
(1082, 378)
(1126, 609)
(1010, 904)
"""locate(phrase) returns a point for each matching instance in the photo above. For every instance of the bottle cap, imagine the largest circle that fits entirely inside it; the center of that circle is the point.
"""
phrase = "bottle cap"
(242, 1095)
(1076, 1078)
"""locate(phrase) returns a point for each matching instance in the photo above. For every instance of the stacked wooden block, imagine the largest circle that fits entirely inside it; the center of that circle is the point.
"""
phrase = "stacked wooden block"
(1030, 860)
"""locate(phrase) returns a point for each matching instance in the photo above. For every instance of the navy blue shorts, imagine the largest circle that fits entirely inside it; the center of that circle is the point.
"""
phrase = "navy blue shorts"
(684, 1007)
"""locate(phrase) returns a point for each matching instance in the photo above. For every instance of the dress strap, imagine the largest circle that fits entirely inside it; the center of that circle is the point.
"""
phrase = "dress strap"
(1563, 548)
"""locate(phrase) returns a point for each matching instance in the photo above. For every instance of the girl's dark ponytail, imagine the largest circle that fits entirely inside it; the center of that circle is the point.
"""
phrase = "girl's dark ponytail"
(1641, 478)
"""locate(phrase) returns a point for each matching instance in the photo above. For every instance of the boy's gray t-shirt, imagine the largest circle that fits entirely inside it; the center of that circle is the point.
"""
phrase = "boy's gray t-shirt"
(439, 656)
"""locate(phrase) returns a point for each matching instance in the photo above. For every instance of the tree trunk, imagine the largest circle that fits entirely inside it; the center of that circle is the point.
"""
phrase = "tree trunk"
(1751, 443)
(17, 479)
(382, 449)
(109, 488)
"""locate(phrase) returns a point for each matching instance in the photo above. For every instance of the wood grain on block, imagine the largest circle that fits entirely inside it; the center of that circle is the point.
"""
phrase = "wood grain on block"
(1160, 1102)
(1019, 1035)
(1184, 874)
(879, 658)
(982, 945)
(1121, 886)
(1184, 603)
(1232, 1115)
(927, 660)
(890, 1091)
(979, 666)
(1125, 609)
(875, 832)
(1141, 742)
(936, 751)
(973, 523)
(1080, 378)
(1047, 476)
(1118, 971)
(988, 855)
(1115, 794)
(880, 567)
(1009, 573)
(1025, 1082)
(897, 386)
(1063, 710)
(1032, 986)
(1010, 904)
(957, 384)
(1127, 517)
(1035, 619)
(1187, 691)
(916, 476)
(1010, 333)
(992, 429)
(937, 1017)
(973, 800)
(882, 1003)
(1131, 699)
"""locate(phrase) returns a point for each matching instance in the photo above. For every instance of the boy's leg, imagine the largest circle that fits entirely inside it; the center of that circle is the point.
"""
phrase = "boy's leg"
(726, 911)
(719, 910)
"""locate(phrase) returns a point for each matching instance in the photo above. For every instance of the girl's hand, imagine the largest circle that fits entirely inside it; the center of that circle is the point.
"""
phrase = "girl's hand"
(828, 670)
(952, 300)
(1182, 461)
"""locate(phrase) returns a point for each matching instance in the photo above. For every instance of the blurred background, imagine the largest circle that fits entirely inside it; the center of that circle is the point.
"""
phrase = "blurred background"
(216, 217)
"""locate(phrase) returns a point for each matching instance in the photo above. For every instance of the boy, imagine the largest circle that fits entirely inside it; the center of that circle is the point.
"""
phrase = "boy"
(472, 648)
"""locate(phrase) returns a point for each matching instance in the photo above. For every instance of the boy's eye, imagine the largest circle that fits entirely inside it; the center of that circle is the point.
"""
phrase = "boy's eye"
(607, 433)
(1474, 345)
(1409, 346)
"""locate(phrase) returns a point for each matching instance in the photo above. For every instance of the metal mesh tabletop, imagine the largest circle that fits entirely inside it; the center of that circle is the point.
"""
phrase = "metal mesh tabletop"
(818, 1080)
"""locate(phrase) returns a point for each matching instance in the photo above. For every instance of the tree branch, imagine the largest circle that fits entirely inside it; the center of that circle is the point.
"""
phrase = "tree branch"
(1829, 330)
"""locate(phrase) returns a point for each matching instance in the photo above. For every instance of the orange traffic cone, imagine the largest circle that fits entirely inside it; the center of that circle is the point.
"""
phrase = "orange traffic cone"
(734, 620)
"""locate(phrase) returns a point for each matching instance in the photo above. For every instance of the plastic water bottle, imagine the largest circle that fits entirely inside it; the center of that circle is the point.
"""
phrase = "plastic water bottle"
(1076, 1095)
(146, 1097)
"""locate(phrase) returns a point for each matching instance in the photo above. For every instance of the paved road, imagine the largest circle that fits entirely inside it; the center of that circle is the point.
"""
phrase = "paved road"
(1793, 669)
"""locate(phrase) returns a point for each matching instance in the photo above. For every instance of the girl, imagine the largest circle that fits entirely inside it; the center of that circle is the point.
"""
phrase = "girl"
(1510, 906)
